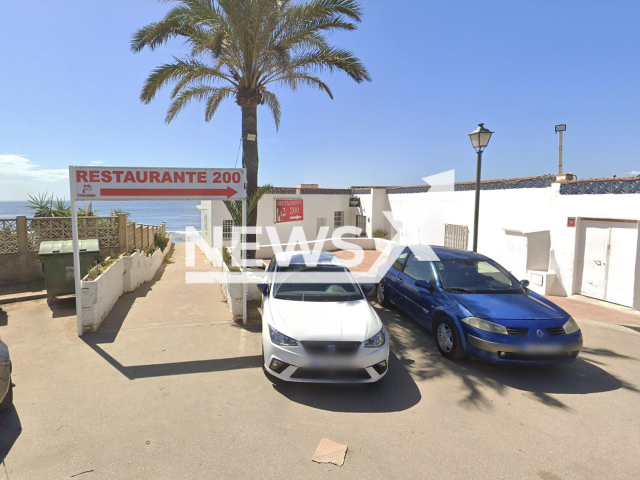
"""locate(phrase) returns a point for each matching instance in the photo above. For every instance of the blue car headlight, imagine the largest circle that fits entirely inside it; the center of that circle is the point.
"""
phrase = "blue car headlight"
(571, 326)
(485, 325)
(376, 341)
(281, 339)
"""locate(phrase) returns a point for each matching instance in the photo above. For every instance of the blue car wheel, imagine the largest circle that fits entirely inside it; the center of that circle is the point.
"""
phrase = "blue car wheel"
(447, 339)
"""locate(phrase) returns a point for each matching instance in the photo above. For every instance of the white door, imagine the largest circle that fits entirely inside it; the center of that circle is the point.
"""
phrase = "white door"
(622, 264)
(594, 271)
(609, 261)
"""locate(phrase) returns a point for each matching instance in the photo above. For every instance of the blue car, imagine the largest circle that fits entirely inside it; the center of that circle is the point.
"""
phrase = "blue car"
(477, 308)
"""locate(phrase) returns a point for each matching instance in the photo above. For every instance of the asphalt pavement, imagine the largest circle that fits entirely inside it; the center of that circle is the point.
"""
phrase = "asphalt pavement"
(172, 388)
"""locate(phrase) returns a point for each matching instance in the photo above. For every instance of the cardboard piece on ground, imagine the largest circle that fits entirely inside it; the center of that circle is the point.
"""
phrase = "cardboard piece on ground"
(329, 451)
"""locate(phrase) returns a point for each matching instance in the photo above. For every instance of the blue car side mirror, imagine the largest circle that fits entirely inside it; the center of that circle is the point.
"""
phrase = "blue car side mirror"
(264, 288)
(524, 283)
(423, 284)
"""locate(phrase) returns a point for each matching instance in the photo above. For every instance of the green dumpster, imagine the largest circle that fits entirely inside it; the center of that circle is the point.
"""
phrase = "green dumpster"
(57, 264)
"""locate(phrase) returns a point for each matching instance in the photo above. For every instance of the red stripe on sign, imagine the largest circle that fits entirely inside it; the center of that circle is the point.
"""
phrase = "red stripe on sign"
(167, 192)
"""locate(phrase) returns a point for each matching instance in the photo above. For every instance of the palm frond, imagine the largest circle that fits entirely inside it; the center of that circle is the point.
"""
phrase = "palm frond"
(293, 80)
(189, 69)
(214, 101)
(238, 47)
(199, 92)
(332, 59)
(274, 105)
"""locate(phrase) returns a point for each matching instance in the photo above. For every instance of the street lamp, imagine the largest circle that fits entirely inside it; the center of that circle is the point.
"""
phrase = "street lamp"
(479, 140)
(560, 129)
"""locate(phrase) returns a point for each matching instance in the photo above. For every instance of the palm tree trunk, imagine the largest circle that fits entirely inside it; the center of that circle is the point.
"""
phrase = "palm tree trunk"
(250, 162)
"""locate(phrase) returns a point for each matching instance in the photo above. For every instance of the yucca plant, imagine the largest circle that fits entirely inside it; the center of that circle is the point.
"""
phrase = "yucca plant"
(235, 206)
(41, 205)
(242, 48)
(87, 210)
(61, 208)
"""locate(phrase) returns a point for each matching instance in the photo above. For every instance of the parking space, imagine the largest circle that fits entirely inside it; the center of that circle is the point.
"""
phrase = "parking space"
(188, 399)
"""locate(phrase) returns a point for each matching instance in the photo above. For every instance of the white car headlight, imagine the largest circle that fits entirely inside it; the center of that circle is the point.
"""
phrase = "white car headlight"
(376, 341)
(571, 326)
(485, 325)
(281, 339)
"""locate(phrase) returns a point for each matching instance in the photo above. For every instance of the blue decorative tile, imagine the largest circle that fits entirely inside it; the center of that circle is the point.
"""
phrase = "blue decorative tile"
(600, 187)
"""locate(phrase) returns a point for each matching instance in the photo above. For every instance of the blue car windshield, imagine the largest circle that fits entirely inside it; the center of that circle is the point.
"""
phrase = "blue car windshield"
(476, 276)
(321, 283)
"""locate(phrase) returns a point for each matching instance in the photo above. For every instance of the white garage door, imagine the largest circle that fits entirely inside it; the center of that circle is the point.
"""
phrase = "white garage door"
(609, 260)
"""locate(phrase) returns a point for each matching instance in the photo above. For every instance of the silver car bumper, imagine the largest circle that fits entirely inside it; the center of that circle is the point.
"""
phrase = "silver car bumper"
(527, 349)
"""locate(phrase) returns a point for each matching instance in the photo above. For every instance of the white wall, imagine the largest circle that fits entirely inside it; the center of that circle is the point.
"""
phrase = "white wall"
(526, 211)
(524, 229)
(314, 206)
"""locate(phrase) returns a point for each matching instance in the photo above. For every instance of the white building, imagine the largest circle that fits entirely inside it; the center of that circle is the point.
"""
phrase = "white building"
(565, 236)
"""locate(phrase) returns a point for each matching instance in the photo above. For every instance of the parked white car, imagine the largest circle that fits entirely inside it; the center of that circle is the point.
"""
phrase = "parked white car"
(317, 325)
(6, 390)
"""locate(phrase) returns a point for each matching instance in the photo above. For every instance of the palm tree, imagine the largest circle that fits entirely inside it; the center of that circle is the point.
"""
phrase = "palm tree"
(241, 48)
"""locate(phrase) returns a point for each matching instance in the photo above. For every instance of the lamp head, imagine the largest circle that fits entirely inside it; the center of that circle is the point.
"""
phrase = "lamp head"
(480, 137)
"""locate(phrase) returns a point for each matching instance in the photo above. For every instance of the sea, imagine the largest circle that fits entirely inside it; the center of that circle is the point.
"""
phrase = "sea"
(177, 215)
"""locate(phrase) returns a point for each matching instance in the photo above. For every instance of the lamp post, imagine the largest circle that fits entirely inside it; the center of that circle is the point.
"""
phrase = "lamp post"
(560, 129)
(479, 140)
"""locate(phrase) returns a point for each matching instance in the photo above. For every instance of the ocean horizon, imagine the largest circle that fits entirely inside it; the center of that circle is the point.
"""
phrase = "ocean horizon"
(177, 215)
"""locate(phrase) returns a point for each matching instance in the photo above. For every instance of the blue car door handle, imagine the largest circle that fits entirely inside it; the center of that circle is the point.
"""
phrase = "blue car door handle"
(399, 280)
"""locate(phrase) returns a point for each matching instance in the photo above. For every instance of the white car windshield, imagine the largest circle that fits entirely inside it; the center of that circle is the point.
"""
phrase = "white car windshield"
(321, 283)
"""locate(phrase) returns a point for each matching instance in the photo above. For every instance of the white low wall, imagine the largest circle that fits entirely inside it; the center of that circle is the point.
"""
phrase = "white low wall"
(232, 290)
(100, 295)
(140, 268)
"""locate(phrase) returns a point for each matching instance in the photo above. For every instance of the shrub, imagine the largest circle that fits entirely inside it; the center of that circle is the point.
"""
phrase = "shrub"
(99, 269)
(161, 240)
(149, 251)
(226, 257)
(379, 233)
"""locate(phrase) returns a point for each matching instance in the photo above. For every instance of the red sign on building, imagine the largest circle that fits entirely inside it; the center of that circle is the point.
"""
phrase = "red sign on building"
(289, 210)
(571, 221)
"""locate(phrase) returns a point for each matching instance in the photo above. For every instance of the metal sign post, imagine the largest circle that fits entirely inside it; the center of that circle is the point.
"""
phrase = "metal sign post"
(244, 261)
(137, 183)
(76, 252)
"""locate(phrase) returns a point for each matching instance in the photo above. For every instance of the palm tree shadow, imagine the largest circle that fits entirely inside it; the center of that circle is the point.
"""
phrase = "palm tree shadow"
(411, 340)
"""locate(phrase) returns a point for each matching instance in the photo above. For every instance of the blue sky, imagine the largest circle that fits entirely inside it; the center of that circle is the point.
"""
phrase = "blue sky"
(69, 92)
